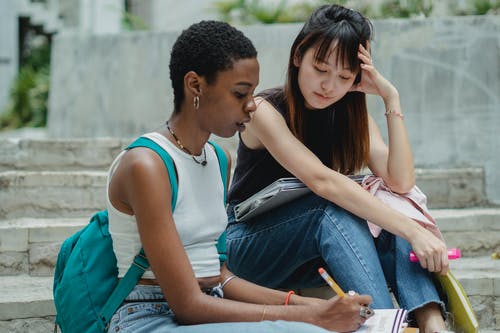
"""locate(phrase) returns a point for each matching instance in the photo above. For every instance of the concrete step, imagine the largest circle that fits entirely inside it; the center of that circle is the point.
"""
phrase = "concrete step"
(26, 298)
(480, 278)
(453, 188)
(79, 192)
(51, 193)
(30, 246)
(42, 153)
(445, 188)
(476, 231)
(59, 154)
(26, 305)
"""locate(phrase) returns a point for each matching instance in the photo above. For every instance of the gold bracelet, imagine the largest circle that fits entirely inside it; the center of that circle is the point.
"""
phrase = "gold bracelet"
(227, 280)
(263, 312)
(396, 113)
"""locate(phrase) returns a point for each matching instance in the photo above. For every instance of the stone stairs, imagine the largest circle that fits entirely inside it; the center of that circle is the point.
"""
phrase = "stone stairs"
(49, 188)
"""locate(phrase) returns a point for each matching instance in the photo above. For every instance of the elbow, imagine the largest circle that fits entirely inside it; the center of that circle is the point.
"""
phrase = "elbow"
(185, 311)
(183, 318)
(182, 313)
(403, 186)
(322, 186)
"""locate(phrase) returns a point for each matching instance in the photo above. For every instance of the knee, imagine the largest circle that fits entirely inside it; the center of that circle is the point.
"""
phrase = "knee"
(344, 221)
(338, 213)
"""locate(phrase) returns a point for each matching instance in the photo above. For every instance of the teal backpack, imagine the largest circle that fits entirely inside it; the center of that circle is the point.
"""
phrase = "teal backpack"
(87, 291)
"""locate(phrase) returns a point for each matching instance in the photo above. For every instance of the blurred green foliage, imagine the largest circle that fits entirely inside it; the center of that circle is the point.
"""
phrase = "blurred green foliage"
(408, 8)
(482, 7)
(259, 11)
(255, 11)
(29, 93)
(132, 22)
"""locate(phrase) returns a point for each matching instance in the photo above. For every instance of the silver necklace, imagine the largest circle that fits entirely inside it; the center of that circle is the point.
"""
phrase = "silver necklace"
(202, 161)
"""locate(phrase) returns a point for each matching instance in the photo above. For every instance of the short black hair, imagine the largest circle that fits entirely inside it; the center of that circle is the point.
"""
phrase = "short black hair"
(206, 48)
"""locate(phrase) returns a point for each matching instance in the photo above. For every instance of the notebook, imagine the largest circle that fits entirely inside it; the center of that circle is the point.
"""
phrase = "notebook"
(277, 193)
(274, 195)
(464, 320)
(385, 321)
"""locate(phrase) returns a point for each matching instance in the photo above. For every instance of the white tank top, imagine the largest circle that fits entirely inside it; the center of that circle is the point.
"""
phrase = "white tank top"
(199, 215)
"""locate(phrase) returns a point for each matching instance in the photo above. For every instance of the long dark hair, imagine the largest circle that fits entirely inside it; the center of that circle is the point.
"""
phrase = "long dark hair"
(350, 142)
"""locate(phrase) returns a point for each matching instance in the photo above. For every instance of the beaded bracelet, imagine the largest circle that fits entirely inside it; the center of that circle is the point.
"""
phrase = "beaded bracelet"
(288, 296)
(396, 113)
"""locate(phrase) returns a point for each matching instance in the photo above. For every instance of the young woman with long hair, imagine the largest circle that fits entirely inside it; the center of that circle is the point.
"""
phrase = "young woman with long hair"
(317, 128)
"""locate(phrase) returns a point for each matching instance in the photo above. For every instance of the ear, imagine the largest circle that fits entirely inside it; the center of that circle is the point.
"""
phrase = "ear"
(297, 59)
(192, 83)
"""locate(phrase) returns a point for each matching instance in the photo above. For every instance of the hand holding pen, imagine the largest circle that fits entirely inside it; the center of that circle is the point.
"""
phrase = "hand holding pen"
(365, 311)
(453, 253)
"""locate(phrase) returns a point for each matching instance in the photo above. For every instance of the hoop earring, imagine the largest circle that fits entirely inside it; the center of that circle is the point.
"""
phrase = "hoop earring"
(196, 102)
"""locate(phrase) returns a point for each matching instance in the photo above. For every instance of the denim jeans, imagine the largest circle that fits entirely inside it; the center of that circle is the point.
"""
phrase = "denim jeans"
(283, 249)
(146, 311)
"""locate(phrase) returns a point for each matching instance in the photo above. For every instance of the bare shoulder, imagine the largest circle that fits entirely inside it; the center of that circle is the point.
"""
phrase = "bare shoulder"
(266, 119)
(139, 169)
(141, 162)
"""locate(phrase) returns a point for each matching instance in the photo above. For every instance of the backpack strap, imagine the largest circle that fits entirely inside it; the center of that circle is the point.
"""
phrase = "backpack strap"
(169, 163)
(221, 156)
(141, 263)
(124, 287)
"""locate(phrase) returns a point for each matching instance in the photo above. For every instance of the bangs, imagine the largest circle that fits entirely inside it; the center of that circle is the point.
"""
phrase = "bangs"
(345, 41)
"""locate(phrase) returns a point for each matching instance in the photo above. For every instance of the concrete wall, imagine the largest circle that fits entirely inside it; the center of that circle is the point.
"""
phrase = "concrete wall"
(158, 15)
(100, 16)
(9, 56)
(447, 71)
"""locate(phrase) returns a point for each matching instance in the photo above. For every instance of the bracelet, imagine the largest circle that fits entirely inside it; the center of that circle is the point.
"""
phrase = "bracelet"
(263, 312)
(226, 281)
(288, 296)
(396, 113)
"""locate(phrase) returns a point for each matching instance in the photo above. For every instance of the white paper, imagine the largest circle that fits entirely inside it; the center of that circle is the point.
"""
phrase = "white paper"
(385, 321)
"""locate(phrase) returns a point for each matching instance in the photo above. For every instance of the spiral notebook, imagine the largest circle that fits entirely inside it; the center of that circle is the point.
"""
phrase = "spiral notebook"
(385, 321)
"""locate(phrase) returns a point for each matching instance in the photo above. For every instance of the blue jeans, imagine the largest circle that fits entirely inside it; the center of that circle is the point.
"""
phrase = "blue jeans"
(283, 249)
(146, 311)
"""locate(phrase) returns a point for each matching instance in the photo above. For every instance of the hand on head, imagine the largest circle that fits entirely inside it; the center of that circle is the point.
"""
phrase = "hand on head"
(372, 82)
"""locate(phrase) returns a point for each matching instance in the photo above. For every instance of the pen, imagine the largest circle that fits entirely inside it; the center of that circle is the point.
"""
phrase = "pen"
(331, 282)
(452, 254)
